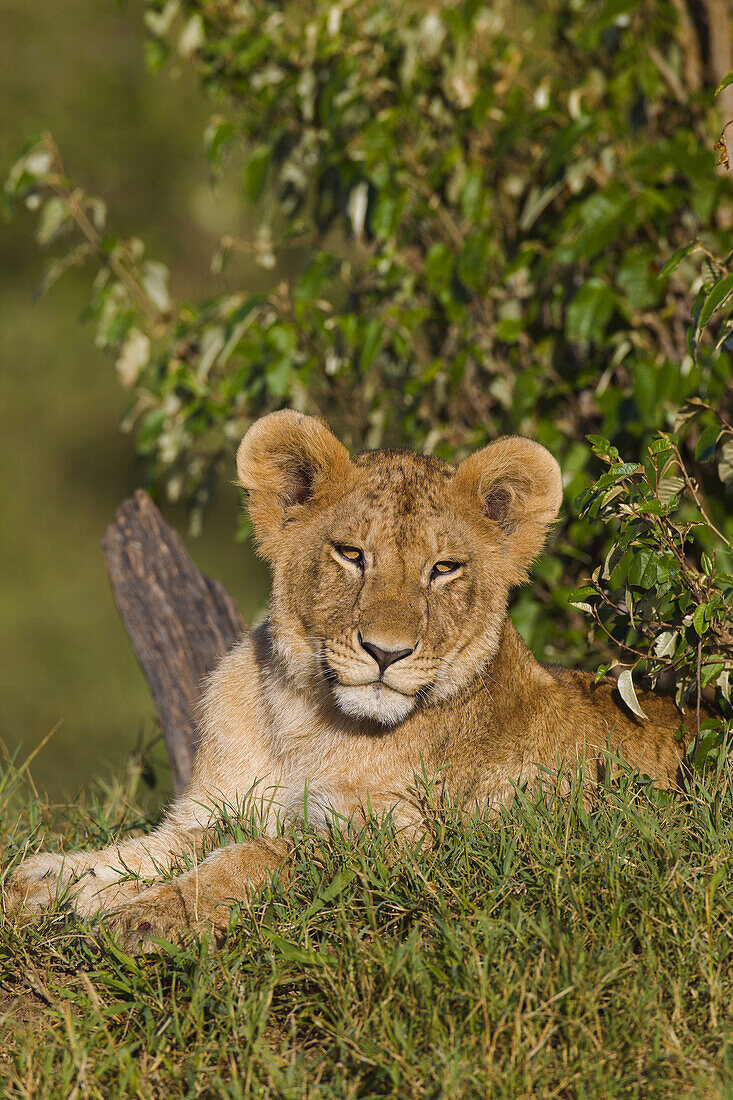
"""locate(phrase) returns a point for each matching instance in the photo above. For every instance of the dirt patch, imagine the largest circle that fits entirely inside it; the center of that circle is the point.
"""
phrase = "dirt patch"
(20, 1014)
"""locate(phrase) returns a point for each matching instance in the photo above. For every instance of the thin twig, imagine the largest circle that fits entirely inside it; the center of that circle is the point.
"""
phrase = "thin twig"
(77, 212)
(629, 649)
(703, 513)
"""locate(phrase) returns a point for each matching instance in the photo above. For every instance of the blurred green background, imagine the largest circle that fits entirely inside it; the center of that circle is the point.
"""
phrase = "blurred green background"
(482, 262)
(80, 73)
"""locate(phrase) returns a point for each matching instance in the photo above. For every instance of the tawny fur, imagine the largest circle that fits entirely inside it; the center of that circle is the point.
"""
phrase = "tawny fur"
(300, 720)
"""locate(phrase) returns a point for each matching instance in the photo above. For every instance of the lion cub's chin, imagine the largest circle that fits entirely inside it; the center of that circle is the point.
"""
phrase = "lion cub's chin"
(375, 701)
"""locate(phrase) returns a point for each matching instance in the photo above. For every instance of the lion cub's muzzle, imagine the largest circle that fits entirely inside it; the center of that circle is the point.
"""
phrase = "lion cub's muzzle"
(355, 661)
(378, 681)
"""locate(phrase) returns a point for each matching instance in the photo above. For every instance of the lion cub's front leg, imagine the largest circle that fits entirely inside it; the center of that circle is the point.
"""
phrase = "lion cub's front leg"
(98, 880)
(199, 900)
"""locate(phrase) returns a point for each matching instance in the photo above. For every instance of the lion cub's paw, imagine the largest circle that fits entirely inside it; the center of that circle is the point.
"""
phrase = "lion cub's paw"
(45, 878)
(170, 911)
(37, 882)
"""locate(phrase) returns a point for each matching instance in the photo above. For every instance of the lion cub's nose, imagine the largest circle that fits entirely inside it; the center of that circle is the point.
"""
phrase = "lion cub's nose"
(384, 657)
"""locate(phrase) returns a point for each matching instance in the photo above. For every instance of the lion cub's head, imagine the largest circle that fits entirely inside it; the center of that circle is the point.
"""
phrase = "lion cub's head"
(391, 570)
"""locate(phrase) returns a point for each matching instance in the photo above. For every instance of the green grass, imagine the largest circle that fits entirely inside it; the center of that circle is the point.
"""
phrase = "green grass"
(551, 953)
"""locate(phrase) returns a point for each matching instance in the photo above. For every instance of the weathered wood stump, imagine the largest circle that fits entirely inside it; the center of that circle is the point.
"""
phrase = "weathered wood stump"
(180, 622)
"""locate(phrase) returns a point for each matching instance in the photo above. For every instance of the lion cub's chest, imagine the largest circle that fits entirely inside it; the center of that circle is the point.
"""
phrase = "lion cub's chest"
(326, 769)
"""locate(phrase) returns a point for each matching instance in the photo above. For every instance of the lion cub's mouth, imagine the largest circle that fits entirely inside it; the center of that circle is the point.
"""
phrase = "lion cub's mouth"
(374, 700)
(361, 692)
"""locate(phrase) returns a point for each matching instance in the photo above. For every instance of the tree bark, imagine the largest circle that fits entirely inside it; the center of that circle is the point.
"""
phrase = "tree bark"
(179, 621)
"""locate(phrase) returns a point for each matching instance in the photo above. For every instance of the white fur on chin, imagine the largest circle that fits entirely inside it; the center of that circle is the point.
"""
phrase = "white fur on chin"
(375, 701)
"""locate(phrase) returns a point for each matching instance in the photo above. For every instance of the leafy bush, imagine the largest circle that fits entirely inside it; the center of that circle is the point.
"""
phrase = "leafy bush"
(670, 616)
(465, 214)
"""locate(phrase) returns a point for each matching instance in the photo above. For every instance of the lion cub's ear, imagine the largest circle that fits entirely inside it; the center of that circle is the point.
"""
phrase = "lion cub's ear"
(285, 461)
(516, 483)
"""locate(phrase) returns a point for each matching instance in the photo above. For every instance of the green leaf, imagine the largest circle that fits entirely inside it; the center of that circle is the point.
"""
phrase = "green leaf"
(693, 332)
(255, 173)
(218, 135)
(602, 446)
(577, 598)
(710, 672)
(156, 53)
(509, 330)
(589, 312)
(602, 215)
(643, 568)
(653, 508)
(705, 449)
(676, 259)
(636, 280)
(438, 266)
(278, 376)
(371, 345)
(582, 592)
(709, 741)
(725, 82)
(714, 300)
(616, 473)
(700, 619)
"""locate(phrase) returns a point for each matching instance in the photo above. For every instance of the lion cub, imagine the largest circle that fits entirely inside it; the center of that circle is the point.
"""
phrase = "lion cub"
(388, 653)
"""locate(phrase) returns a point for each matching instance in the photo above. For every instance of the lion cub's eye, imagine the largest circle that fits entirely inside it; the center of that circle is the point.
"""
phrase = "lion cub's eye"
(351, 553)
(445, 568)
